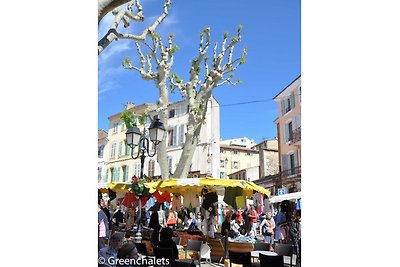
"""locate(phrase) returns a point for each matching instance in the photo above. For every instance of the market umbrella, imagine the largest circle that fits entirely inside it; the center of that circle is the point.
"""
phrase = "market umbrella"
(181, 185)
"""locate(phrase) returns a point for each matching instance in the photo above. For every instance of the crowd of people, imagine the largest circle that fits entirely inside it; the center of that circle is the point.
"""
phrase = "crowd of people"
(282, 224)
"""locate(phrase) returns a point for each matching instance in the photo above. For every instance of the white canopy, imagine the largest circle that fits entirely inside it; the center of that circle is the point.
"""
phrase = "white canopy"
(290, 196)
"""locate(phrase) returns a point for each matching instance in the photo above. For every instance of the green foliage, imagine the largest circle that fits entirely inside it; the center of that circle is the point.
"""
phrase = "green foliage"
(198, 111)
(235, 39)
(226, 34)
(174, 48)
(176, 77)
(142, 117)
(155, 36)
(239, 81)
(242, 60)
(231, 75)
(129, 118)
(240, 27)
(198, 70)
(127, 61)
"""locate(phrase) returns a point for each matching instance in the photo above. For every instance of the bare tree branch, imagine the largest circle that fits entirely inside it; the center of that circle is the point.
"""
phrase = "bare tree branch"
(125, 16)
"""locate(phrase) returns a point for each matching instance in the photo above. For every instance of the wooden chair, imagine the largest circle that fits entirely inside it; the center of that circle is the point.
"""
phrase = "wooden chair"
(193, 245)
(243, 258)
(217, 250)
(271, 261)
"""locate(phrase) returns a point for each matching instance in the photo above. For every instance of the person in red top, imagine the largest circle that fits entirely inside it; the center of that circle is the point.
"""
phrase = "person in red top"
(239, 217)
(253, 220)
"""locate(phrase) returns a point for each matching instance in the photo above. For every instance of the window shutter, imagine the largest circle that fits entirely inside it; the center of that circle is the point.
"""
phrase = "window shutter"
(120, 149)
(292, 101)
(107, 175)
(285, 135)
(295, 160)
(283, 107)
(175, 136)
(126, 173)
(181, 133)
(285, 165)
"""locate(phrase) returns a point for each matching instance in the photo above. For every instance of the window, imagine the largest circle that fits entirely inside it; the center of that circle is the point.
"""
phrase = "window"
(288, 131)
(171, 113)
(151, 167)
(290, 163)
(222, 175)
(123, 126)
(300, 93)
(137, 170)
(222, 163)
(100, 151)
(126, 173)
(221, 150)
(113, 150)
(127, 149)
(171, 137)
(248, 153)
(115, 174)
(287, 104)
(115, 127)
(235, 152)
(236, 165)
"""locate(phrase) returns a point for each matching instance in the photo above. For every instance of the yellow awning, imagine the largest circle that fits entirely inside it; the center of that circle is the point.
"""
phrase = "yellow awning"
(181, 185)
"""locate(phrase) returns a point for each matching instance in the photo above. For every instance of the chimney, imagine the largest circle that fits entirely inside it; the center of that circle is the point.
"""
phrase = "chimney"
(129, 105)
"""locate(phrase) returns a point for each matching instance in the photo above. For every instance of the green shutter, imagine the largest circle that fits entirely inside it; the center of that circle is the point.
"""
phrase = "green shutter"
(107, 175)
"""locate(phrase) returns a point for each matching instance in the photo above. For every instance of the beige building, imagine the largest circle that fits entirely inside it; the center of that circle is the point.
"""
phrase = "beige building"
(236, 155)
(268, 157)
(289, 136)
(120, 167)
(101, 152)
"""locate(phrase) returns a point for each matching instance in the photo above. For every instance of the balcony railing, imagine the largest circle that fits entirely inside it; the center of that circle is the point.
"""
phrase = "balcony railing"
(295, 136)
(292, 172)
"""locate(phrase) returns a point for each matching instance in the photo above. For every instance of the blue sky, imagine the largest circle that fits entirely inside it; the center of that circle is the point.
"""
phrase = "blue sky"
(271, 33)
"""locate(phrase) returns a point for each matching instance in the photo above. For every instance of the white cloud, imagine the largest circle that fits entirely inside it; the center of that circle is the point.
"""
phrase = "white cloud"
(115, 48)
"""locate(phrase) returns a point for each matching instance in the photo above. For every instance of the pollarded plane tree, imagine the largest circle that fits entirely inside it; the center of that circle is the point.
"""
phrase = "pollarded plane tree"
(205, 76)
(134, 12)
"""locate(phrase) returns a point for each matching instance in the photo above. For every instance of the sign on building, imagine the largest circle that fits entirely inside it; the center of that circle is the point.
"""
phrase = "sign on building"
(281, 191)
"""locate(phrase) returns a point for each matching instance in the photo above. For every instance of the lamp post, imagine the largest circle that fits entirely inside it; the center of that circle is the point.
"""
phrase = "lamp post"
(136, 138)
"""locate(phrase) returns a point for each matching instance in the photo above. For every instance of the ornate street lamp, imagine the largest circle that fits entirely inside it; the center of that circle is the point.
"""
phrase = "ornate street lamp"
(136, 138)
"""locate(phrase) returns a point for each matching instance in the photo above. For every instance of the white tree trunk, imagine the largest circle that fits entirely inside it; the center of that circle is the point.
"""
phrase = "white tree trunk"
(105, 6)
